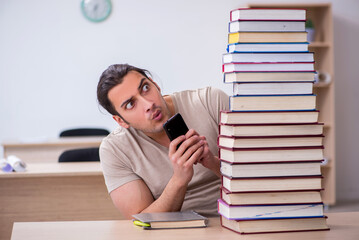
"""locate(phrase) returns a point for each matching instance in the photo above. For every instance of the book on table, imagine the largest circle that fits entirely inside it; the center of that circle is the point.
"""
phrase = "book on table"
(264, 155)
(268, 57)
(258, 198)
(268, 47)
(270, 169)
(275, 225)
(272, 102)
(271, 129)
(267, 14)
(246, 212)
(267, 37)
(270, 141)
(246, 77)
(272, 66)
(266, 26)
(272, 184)
(268, 88)
(162, 220)
(262, 117)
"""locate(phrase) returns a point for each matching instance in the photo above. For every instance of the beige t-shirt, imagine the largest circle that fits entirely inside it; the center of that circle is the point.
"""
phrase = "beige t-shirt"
(128, 154)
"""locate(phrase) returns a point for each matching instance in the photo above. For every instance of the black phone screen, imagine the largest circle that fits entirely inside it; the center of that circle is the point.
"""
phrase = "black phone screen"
(175, 127)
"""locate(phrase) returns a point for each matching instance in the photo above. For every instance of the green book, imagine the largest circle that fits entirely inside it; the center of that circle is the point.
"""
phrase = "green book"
(163, 220)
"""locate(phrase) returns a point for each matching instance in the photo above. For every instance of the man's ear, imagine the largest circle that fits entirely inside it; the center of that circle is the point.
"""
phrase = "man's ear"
(120, 121)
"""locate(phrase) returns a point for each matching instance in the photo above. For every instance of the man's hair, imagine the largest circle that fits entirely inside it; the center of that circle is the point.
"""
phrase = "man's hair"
(110, 78)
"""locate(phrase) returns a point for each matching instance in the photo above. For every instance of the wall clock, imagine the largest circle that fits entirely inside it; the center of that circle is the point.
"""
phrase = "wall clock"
(96, 10)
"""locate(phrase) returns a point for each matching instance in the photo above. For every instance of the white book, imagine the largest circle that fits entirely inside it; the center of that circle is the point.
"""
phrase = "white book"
(270, 141)
(272, 184)
(274, 129)
(270, 169)
(273, 88)
(267, 14)
(272, 102)
(260, 117)
(266, 26)
(271, 155)
(270, 211)
(250, 67)
(267, 47)
(268, 57)
(269, 77)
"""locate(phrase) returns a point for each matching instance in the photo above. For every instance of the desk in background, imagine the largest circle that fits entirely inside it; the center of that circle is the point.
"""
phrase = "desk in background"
(343, 226)
(49, 150)
(54, 192)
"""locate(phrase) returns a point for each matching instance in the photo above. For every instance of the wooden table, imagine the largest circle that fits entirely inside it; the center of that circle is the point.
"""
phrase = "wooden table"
(47, 150)
(343, 226)
(54, 192)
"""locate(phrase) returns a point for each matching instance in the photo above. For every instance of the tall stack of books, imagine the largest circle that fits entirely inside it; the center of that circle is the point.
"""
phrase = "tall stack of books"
(270, 142)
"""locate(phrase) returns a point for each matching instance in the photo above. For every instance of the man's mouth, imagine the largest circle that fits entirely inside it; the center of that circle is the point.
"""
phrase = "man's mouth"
(157, 115)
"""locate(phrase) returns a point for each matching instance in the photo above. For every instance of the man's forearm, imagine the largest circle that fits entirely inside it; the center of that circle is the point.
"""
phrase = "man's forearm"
(171, 199)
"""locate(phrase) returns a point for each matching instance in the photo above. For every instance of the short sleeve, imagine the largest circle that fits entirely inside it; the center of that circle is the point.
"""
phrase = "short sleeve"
(217, 100)
(115, 166)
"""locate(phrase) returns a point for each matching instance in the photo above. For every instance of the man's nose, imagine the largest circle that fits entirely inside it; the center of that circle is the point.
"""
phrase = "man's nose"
(147, 104)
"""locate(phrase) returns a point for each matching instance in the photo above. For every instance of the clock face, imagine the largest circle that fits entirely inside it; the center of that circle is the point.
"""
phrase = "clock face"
(96, 10)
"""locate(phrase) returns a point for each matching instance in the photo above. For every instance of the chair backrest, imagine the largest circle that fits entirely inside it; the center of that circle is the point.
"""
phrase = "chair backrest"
(79, 132)
(80, 155)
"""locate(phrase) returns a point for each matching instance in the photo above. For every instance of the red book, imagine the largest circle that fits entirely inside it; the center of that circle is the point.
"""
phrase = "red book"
(275, 225)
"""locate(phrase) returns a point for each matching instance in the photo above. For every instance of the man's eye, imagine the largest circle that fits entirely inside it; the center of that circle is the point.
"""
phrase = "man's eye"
(145, 87)
(129, 105)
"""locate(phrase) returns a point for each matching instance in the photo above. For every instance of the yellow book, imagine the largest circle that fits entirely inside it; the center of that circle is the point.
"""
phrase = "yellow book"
(267, 37)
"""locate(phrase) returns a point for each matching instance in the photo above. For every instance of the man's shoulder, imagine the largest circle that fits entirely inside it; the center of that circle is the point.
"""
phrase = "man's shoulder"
(200, 92)
(119, 134)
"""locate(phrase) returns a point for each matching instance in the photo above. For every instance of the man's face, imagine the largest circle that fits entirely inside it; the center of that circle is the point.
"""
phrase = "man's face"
(139, 101)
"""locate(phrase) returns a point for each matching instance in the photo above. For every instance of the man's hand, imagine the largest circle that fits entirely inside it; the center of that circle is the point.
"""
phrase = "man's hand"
(208, 160)
(188, 153)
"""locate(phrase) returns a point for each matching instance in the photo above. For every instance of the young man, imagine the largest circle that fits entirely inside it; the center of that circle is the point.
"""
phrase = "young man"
(144, 171)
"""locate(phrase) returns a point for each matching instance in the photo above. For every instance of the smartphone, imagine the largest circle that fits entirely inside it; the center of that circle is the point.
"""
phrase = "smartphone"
(175, 127)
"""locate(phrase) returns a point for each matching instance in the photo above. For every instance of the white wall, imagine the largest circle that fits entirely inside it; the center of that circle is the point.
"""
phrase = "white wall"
(51, 58)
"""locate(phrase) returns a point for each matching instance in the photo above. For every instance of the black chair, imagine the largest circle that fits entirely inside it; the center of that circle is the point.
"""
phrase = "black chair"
(80, 155)
(80, 132)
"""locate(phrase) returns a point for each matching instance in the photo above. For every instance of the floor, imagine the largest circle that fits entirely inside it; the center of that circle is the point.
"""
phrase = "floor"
(343, 206)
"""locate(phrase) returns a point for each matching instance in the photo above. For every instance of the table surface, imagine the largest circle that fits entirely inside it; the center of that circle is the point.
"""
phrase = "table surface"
(343, 226)
(56, 169)
(53, 141)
